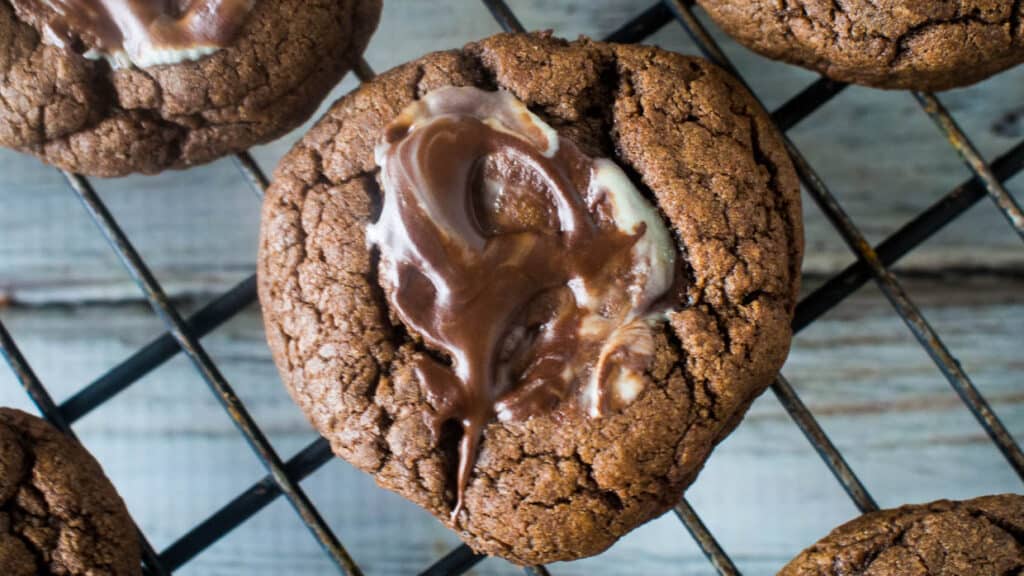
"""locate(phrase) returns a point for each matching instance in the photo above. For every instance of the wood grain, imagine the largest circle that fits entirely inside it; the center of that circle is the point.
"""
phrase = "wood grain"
(765, 493)
(877, 150)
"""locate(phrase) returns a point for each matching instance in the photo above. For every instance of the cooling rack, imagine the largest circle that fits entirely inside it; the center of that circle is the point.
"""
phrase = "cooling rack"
(284, 477)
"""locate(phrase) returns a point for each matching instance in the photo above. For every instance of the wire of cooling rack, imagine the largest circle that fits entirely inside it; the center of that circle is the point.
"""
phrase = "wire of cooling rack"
(284, 477)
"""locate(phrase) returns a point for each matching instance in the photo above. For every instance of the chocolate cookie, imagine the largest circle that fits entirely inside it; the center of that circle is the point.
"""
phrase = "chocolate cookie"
(973, 537)
(907, 44)
(58, 513)
(359, 301)
(111, 88)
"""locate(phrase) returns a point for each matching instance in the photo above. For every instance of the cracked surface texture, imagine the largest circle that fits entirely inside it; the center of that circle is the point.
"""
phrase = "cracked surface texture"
(906, 44)
(984, 536)
(58, 512)
(544, 490)
(83, 116)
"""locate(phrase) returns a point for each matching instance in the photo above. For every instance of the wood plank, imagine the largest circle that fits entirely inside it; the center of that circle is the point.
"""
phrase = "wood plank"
(877, 150)
(764, 493)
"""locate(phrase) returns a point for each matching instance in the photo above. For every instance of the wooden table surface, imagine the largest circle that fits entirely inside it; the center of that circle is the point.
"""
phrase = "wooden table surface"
(765, 493)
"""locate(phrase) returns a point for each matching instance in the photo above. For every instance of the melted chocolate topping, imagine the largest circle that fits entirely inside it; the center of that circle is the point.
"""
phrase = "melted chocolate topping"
(536, 270)
(147, 31)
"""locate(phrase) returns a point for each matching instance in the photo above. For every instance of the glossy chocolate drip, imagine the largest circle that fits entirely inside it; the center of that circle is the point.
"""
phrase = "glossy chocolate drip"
(145, 32)
(532, 267)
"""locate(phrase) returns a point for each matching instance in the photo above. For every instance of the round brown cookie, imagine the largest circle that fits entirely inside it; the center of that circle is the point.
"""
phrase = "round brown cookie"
(58, 512)
(85, 116)
(908, 44)
(544, 489)
(973, 537)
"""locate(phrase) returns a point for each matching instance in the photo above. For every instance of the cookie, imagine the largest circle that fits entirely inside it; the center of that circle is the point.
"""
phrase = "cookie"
(533, 473)
(160, 91)
(980, 536)
(58, 512)
(902, 44)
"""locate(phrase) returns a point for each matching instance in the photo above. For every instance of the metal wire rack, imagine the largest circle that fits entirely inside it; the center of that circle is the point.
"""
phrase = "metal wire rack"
(284, 477)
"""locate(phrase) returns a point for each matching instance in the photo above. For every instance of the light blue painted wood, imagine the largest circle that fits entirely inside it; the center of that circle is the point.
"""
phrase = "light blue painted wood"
(877, 150)
(175, 457)
(765, 494)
